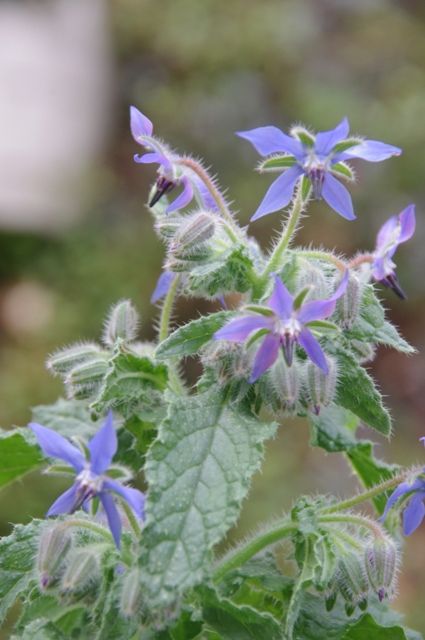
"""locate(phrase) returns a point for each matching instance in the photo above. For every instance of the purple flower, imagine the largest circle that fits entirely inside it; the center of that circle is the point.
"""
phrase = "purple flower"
(171, 173)
(286, 325)
(414, 510)
(163, 285)
(92, 480)
(396, 230)
(319, 158)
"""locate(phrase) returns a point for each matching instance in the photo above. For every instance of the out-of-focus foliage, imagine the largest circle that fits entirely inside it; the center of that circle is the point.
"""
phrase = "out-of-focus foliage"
(202, 70)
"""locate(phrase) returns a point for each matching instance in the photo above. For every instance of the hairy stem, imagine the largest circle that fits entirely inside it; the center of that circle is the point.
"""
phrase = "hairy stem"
(326, 257)
(348, 518)
(231, 227)
(243, 554)
(174, 380)
(365, 495)
(90, 526)
(360, 259)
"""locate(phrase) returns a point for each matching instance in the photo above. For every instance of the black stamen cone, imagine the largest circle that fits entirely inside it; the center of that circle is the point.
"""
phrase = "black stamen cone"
(392, 282)
(162, 186)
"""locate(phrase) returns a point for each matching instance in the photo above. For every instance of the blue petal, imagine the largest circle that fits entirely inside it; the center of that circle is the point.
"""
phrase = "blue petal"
(103, 446)
(401, 490)
(239, 329)
(267, 140)
(337, 197)
(113, 516)
(279, 193)
(407, 223)
(266, 356)
(414, 513)
(140, 125)
(281, 301)
(134, 497)
(326, 140)
(313, 349)
(56, 446)
(373, 151)
(66, 503)
(163, 285)
(183, 199)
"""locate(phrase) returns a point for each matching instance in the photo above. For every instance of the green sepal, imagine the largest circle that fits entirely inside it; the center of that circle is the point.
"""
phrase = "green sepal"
(276, 163)
(301, 296)
(305, 188)
(342, 169)
(346, 144)
(323, 325)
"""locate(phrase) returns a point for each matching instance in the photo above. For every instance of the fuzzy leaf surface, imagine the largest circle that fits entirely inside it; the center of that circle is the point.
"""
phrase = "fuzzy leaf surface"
(198, 471)
(189, 338)
(19, 455)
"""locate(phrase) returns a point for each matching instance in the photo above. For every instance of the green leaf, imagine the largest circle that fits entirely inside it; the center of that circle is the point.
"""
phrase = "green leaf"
(356, 391)
(198, 471)
(17, 553)
(276, 163)
(231, 272)
(371, 325)
(334, 430)
(189, 338)
(379, 623)
(133, 385)
(237, 621)
(18, 455)
(67, 417)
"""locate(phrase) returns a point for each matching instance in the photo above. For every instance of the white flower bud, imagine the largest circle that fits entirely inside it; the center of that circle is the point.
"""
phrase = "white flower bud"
(82, 568)
(190, 239)
(381, 562)
(314, 278)
(321, 387)
(85, 377)
(352, 582)
(130, 598)
(348, 306)
(122, 322)
(286, 384)
(53, 546)
(63, 360)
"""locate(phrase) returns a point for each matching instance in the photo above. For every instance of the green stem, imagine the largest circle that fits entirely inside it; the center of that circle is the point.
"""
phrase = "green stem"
(347, 518)
(174, 380)
(243, 554)
(365, 495)
(167, 309)
(231, 227)
(326, 257)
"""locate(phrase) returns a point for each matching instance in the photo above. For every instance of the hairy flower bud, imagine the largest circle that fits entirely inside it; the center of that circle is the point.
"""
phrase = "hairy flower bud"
(122, 322)
(53, 546)
(348, 306)
(82, 568)
(167, 226)
(83, 378)
(130, 598)
(63, 360)
(314, 278)
(352, 582)
(381, 562)
(321, 387)
(286, 384)
(192, 235)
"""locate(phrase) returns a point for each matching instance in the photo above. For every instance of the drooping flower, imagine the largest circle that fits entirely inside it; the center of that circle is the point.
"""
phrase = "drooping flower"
(414, 510)
(319, 158)
(286, 325)
(395, 231)
(171, 173)
(163, 285)
(92, 480)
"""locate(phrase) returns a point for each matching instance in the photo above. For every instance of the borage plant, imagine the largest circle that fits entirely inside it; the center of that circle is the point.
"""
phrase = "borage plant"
(111, 563)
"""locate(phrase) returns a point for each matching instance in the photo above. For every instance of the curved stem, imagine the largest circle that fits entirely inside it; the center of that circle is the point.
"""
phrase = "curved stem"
(326, 257)
(231, 226)
(360, 259)
(167, 309)
(348, 518)
(241, 555)
(365, 495)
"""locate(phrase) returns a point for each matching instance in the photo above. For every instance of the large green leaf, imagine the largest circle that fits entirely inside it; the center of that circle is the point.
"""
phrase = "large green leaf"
(334, 430)
(372, 326)
(17, 553)
(199, 471)
(380, 623)
(18, 455)
(357, 392)
(189, 338)
(68, 417)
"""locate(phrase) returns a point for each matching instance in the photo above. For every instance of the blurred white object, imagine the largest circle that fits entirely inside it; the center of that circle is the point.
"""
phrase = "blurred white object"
(55, 78)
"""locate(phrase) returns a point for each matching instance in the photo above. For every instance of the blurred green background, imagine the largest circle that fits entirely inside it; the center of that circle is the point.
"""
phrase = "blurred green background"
(75, 235)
